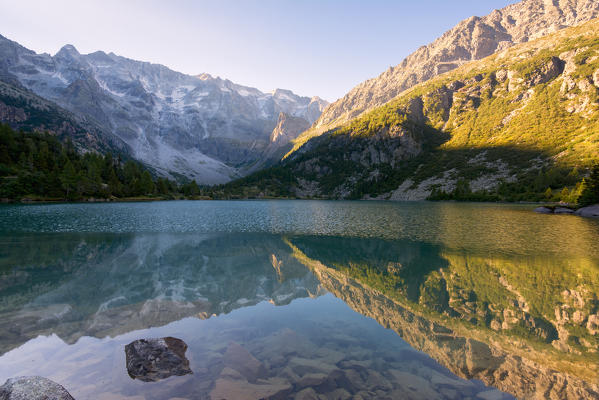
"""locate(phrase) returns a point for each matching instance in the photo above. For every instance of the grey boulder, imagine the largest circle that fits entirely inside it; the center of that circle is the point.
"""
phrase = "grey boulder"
(33, 388)
(563, 210)
(151, 360)
(590, 211)
(543, 210)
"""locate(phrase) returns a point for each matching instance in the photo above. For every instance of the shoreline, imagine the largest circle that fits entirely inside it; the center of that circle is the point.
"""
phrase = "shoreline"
(543, 207)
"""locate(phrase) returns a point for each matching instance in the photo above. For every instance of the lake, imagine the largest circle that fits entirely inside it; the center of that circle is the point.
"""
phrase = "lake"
(303, 299)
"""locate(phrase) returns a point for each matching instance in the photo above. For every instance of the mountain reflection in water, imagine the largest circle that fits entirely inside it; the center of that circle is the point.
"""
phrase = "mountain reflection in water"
(526, 325)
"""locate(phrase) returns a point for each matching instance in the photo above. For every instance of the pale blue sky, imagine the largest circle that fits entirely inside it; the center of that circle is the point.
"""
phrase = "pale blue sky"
(313, 47)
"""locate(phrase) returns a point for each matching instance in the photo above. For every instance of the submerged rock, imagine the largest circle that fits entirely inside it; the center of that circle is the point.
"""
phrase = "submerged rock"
(238, 358)
(33, 388)
(544, 210)
(151, 360)
(240, 389)
(590, 211)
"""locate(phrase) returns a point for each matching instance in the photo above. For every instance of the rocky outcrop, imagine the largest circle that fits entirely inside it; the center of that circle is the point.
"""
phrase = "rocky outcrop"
(471, 39)
(589, 211)
(11, 115)
(361, 157)
(553, 210)
(33, 388)
(151, 360)
(563, 210)
(287, 129)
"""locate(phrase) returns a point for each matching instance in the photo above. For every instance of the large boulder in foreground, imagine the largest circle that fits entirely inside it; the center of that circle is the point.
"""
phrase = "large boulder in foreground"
(151, 360)
(590, 211)
(33, 388)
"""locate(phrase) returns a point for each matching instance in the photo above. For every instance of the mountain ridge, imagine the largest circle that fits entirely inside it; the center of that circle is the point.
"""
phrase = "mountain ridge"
(204, 128)
(481, 128)
(471, 39)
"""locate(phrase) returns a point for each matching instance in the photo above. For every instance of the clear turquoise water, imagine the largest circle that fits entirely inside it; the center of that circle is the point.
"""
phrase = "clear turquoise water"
(401, 300)
(492, 227)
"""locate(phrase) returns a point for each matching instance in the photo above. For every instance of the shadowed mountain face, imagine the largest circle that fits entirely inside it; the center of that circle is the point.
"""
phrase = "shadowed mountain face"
(506, 127)
(22, 109)
(472, 39)
(528, 326)
(202, 127)
(105, 285)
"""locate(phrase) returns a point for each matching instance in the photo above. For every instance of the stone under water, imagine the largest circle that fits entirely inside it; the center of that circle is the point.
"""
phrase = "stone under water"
(151, 360)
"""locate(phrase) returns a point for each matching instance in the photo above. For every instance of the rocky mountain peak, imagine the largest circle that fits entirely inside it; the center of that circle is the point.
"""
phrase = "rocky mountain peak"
(288, 128)
(282, 92)
(100, 56)
(205, 76)
(471, 39)
(68, 50)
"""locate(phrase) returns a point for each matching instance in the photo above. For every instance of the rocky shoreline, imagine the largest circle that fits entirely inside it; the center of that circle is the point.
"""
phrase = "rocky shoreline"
(590, 211)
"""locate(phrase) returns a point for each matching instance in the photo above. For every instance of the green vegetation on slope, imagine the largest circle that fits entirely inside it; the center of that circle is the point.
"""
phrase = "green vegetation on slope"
(588, 189)
(38, 166)
(24, 110)
(519, 125)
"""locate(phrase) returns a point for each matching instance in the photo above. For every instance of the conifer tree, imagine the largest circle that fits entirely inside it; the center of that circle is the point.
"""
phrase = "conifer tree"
(590, 188)
(69, 178)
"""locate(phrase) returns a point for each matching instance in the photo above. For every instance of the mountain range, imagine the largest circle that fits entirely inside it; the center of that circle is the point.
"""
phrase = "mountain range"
(203, 128)
(515, 125)
(471, 39)
(465, 113)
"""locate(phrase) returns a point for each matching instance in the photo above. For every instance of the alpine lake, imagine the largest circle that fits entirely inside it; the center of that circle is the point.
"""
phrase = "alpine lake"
(302, 299)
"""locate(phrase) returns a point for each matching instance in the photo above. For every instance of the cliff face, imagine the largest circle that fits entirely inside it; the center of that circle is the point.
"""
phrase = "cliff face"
(471, 39)
(288, 128)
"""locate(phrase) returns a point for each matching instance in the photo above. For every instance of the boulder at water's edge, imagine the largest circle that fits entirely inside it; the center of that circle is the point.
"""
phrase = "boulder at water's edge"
(33, 388)
(590, 211)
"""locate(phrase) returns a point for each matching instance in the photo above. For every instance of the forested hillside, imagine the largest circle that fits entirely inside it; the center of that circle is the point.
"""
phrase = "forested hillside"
(37, 166)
